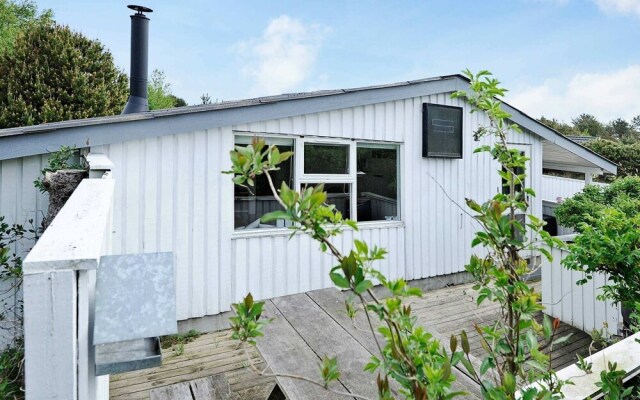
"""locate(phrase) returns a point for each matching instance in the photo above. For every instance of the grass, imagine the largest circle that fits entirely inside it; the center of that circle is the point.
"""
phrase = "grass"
(177, 342)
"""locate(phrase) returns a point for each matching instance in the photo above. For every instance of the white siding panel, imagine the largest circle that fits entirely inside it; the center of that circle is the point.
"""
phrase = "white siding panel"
(20, 202)
(553, 187)
(172, 196)
(575, 304)
(268, 265)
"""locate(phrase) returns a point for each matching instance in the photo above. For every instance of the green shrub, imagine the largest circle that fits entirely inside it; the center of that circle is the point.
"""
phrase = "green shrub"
(610, 243)
(623, 195)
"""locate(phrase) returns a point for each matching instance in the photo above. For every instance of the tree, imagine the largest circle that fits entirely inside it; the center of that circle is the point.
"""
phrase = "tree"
(588, 125)
(621, 130)
(16, 18)
(160, 95)
(627, 156)
(55, 74)
(562, 127)
(205, 99)
(635, 123)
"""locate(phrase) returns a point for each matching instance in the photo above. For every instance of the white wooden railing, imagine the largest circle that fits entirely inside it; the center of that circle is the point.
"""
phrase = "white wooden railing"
(625, 353)
(556, 186)
(59, 290)
(575, 304)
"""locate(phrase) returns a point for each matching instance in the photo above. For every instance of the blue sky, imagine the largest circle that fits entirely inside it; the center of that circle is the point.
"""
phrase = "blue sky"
(557, 57)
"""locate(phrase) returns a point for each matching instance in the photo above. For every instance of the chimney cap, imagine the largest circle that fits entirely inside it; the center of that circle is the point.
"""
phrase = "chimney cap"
(139, 9)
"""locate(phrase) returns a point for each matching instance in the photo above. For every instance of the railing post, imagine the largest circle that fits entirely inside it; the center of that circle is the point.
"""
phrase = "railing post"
(59, 288)
(50, 315)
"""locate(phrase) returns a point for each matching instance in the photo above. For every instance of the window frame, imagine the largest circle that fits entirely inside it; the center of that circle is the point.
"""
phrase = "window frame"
(399, 153)
(524, 149)
(300, 178)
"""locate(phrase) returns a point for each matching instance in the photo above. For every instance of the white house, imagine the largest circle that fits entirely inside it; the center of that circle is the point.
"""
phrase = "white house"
(397, 158)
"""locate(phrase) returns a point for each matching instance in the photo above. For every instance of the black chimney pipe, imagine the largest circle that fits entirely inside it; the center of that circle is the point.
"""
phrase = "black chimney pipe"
(139, 61)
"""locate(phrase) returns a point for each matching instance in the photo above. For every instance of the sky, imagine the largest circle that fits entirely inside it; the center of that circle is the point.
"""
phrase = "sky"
(558, 58)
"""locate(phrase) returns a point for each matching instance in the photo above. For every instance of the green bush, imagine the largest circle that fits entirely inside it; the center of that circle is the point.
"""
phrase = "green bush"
(610, 243)
(623, 195)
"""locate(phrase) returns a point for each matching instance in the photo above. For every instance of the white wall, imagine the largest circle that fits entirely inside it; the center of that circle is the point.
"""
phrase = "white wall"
(171, 196)
(576, 304)
(556, 186)
(20, 201)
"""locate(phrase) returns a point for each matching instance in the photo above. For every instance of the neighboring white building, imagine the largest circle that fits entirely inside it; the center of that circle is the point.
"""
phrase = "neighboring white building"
(172, 196)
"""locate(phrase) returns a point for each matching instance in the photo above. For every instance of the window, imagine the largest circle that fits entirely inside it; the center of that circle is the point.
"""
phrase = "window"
(338, 194)
(518, 185)
(377, 178)
(441, 131)
(323, 158)
(250, 204)
(361, 179)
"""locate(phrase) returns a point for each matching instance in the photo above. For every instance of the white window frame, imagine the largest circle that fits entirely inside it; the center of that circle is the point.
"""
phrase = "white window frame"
(384, 145)
(303, 178)
(300, 178)
(526, 150)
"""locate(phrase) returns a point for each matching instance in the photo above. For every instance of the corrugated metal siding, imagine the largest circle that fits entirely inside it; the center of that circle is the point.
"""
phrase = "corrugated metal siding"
(171, 196)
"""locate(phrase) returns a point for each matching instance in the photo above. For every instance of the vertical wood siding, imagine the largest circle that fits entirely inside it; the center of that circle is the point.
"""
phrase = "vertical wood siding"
(171, 196)
(20, 202)
(556, 186)
(576, 304)
(272, 265)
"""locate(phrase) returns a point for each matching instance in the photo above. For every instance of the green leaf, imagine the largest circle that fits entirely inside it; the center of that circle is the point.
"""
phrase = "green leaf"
(352, 224)
(486, 364)
(274, 215)
(363, 286)
(339, 280)
(468, 366)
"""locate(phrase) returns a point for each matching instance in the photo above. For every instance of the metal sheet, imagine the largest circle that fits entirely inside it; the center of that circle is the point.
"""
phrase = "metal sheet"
(132, 355)
(135, 297)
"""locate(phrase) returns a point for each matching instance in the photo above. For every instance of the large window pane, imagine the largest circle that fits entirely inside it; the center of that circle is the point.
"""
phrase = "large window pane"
(250, 204)
(338, 194)
(326, 158)
(377, 183)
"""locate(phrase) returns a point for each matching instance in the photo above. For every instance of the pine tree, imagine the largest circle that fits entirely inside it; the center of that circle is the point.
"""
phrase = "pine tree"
(55, 74)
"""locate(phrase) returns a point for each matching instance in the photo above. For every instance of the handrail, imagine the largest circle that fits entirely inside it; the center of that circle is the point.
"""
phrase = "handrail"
(626, 353)
(75, 238)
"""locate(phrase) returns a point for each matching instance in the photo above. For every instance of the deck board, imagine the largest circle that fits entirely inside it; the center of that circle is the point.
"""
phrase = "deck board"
(311, 325)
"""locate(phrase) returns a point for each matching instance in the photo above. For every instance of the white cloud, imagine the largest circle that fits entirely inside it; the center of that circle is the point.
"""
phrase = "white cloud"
(620, 6)
(606, 95)
(283, 57)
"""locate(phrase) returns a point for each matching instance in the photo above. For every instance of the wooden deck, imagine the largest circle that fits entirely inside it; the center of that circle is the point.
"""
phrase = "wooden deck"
(212, 354)
(311, 325)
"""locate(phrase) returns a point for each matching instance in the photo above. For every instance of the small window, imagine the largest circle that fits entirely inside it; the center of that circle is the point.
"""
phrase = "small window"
(377, 178)
(323, 158)
(338, 194)
(506, 189)
(251, 203)
(441, 131)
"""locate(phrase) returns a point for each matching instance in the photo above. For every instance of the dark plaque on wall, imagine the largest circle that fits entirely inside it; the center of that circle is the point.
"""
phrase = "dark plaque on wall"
(441, 131)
